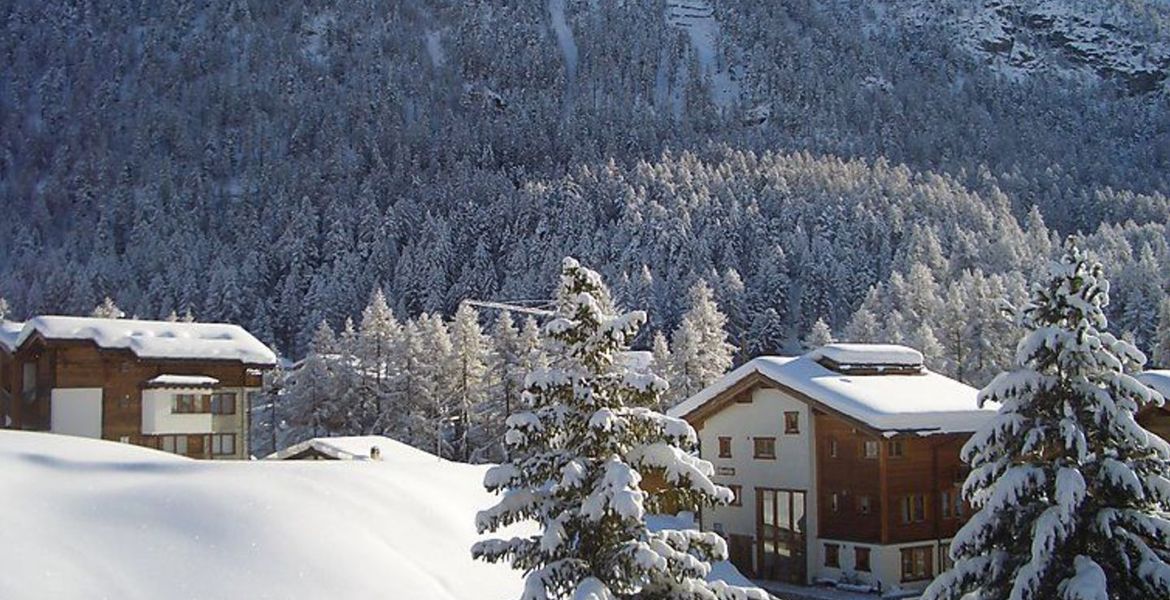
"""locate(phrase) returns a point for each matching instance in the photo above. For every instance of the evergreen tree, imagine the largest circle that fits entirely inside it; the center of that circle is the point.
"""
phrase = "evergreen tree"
(700, 348)
(379, 353)
(818, 336)
(471, 387)
(663, 366)
(107, 310)
(1162, 337)
(507, 378)
(1072, 495)
(573, 467)
(311, 388)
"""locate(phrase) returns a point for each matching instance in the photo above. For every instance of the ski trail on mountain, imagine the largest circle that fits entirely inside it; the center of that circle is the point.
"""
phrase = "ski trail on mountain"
(560, 26)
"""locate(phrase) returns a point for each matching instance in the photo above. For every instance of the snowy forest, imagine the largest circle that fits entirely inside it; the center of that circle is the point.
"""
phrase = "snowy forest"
(826, 169)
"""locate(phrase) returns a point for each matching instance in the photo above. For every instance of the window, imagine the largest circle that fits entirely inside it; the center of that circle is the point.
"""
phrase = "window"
(791, 422)
(223, 444)
(223, 403)
(190, 403)
(870, 449)
(861, 559)
(737, 493)
(945, 562)
(724, 447)
(832, 556)
(764, 447)
(895, 448)
(960, 506)
(916, 563)
(946, 505)
(835, 502)
(913, 508)
(863, 505)
(832, 447)
(175, 444)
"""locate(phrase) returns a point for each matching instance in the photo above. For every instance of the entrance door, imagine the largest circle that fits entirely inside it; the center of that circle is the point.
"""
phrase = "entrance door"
(780, 529)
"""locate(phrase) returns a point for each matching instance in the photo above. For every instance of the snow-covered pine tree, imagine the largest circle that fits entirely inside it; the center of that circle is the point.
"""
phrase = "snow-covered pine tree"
(819, 335)
(663, 366)
(1162, 335)
(471, 386)
(107, 310)
(701, 351)
(380, 353)
(574, 462)
(311, 389)
(506, 377)
(1072, 495)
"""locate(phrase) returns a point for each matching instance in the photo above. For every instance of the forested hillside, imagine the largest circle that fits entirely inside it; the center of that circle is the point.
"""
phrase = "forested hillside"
(273, 163)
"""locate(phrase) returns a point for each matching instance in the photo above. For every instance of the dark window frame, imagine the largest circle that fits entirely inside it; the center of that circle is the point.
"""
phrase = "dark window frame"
(724, 447)
(759, 452)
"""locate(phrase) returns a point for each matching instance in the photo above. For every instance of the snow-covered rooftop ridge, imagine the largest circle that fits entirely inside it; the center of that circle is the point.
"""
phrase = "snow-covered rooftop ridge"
(168, 380)
(358, 447)
(924, 402)
(1157, 379)
(869, 355)
(155, 339)
(9, 333)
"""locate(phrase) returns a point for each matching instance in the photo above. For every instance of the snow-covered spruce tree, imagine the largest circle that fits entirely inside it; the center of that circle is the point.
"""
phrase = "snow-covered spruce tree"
(574, 462)
(1071, 494)
(701, 351)
(818, 336)
(107, 310)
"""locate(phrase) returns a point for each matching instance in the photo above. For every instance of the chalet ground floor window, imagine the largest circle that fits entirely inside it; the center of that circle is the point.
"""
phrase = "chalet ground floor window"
(916, 563)
(175, 444)
(861, 559)
(944, 558)
(781, 531)
(223, 444)
(833, 556)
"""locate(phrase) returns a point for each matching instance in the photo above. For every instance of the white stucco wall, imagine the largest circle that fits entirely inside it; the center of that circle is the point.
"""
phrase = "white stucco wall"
(157, 418)
(885, 563)
(76, 411)
(792, 469)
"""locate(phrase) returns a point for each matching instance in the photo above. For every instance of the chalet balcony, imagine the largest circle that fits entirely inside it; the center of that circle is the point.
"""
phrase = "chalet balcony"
(158, 418)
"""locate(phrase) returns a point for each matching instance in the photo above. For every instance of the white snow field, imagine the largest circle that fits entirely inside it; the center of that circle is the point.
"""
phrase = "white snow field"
(94, 519)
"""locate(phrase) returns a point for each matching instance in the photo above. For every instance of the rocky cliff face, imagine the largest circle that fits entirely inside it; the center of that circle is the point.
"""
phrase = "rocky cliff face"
(1118, 42)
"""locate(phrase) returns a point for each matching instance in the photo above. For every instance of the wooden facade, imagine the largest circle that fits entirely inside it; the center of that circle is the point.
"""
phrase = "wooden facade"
(121, 376)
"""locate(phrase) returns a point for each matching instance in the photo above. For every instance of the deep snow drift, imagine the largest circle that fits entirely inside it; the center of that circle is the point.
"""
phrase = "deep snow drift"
(91, 519)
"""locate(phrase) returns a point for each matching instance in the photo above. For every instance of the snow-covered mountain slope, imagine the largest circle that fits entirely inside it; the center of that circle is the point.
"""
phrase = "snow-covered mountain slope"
(93, 519)
(1065, 37)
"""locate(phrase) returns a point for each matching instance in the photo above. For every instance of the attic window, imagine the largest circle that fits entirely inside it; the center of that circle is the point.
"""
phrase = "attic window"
(869, 359)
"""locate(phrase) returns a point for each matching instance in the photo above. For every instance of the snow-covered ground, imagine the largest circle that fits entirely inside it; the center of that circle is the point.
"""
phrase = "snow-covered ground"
(93, 519)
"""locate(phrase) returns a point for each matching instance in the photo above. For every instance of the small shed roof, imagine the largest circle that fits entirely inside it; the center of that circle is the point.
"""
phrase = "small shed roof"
(354, 448)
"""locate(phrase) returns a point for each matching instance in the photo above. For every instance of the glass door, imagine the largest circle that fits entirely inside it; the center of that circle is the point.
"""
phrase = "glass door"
(780, 529)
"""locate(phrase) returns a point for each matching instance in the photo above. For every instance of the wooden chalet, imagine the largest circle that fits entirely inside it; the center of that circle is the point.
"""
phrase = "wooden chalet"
(175, 386)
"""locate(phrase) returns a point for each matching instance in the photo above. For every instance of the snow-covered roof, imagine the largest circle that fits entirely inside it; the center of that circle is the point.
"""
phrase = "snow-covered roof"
(182, 381)
(1157, 379)
(155, 339)
(9, 333)
(357, 447)
(876, 355)
(924, 402)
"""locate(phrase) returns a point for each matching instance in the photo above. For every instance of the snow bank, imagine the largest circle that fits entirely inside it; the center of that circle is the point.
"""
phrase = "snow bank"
(93, 519)
(925, 403)
(100, 519)
(155, 339)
